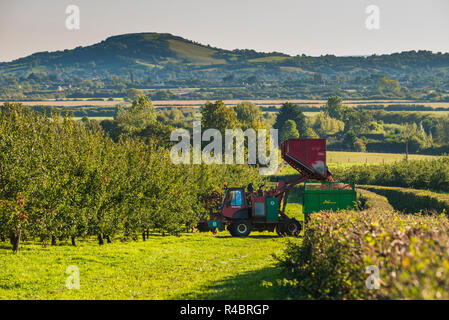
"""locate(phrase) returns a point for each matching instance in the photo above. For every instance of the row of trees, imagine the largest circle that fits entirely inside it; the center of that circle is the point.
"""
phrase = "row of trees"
(346, 127)
(430, 174)
(61, 179)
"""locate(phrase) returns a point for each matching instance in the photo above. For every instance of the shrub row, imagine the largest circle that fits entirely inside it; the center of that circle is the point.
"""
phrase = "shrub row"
(371, 200)
(410, 253)
(418, 174)
(412, 200)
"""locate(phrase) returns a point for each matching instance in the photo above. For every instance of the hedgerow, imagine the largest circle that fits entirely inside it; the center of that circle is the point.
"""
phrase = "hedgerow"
(64, 179)
(412, 200)
(410, 251)
(371, 200)
(417, 174)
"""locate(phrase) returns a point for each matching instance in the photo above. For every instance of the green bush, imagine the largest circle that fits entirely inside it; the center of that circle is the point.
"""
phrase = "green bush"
(411, 253)
(371, 200)
(412, 200)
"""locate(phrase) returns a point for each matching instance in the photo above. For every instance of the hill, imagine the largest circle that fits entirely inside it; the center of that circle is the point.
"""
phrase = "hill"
(169, 67)
(140, 53)
(162, 55)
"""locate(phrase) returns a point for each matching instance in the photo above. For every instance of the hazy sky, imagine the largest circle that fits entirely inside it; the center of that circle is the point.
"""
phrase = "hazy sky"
(313, 27)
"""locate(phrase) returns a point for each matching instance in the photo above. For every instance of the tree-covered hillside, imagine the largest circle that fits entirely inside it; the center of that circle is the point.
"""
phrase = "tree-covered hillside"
(165, 61)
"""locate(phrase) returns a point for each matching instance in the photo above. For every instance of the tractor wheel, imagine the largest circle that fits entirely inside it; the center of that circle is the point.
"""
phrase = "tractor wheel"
(292, 227)
(279, 230)
(240, 228)
(202, 227)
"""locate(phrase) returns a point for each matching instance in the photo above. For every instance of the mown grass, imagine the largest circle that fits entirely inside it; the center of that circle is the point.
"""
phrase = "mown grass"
(294, 204)
(338, 157)
(191, 266)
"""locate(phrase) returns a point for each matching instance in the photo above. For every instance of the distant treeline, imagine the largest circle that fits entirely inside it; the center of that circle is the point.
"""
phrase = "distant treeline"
(78, 111)
(393, 147)
(108, 111)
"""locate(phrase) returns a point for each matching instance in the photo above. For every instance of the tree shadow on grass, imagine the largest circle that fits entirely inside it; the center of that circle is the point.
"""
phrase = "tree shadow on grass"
(259, 284)
(5, 246)
(257, 236)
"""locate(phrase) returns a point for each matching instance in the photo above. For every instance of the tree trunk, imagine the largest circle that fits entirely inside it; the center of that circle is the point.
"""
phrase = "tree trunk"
(406, 151)
(148, 233)
(100, 239)
(53, 241)
(143, 236)
(108, 239)
(15, 241)
(73, 241)
(2, 238)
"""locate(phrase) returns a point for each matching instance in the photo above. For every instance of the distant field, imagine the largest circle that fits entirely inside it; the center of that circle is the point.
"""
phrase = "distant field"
(70, 103)
(198, 103)
(368, 157)
(93, 118)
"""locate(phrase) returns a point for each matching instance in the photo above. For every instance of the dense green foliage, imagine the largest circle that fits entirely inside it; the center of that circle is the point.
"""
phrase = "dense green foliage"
(293, 112)
(288, 131)
(410, 251)
(412, 200)
(248, 114)
(432, 174)
(216, 115)
(372, 200)
(66, 179)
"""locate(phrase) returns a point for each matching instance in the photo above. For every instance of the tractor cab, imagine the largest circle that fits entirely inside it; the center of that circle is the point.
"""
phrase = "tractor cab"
(235, 204)
(238, 204)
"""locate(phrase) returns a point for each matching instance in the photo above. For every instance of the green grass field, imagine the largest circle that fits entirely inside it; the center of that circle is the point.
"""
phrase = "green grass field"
(191, 266)
(338, 157)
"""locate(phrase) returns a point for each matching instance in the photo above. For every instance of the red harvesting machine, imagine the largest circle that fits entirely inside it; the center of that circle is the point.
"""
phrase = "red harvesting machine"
(242, 210)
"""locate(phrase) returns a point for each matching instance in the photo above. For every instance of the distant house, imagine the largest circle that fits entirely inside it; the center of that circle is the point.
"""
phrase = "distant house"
(62, 88)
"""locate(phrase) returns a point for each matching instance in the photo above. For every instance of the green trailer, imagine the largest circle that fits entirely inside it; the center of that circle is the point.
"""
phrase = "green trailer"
(318, 196)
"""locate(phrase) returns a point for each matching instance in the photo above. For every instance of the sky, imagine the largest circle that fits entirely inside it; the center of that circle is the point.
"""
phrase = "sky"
(313, 27)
